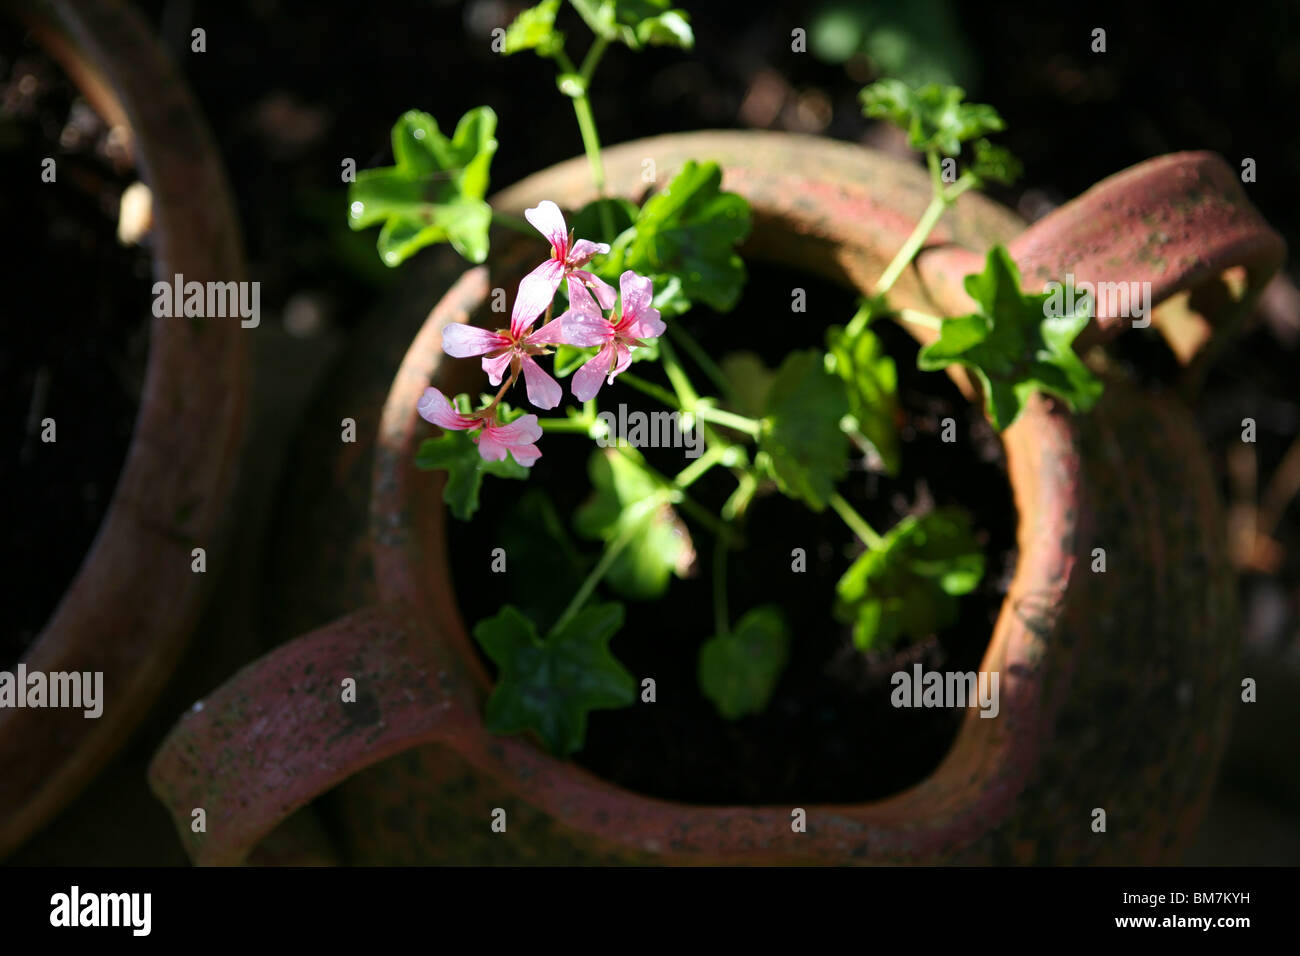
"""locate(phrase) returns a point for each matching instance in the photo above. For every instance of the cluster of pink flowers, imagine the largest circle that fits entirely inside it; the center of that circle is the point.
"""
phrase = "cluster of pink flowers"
(513, 350)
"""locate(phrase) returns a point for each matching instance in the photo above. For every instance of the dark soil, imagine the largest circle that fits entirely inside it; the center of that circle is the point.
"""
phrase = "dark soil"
(76, 335)
(829, 732)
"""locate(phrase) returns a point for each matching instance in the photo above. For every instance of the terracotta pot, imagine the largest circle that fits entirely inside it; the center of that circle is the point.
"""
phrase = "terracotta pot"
(1116, 688)
(135, 599)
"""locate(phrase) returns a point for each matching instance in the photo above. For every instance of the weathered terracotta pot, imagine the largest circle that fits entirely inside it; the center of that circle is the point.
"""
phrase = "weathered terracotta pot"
(135, 599)
(1116, 688)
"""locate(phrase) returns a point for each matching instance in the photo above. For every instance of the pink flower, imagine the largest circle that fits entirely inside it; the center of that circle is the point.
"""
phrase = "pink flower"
(504, 346)
(493, 440)
(584, 325)
(537, 290)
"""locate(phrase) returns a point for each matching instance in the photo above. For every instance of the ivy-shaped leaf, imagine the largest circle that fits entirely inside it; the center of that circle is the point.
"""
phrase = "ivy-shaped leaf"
(534, 29)
(934, 116)
(908, 587)
(750, 379)
(739, 670)
(660, 545)
(687, 233)
(545, 568)
(434, 192)
(800, 444)
(549, 686)
(870, 380)
(638, 23)
(1015, 344)
(456, 453)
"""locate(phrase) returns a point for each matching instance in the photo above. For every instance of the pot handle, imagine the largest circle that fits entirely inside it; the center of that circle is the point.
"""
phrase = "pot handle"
(1171, 224)
(286, 729)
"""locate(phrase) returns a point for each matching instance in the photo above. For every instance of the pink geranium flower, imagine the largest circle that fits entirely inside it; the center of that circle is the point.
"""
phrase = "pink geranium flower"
(537, 290)
(584, 325)
(493, 440)
(504, 346)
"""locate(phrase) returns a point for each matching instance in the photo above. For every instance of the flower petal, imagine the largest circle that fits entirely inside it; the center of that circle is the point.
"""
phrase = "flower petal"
(549, 221)
(526, 455)
(583, 250)
(552, 333)
(543, 391)
(490, 449)
(588, 379)
(496, 367)
(584, 330)
(605, 293)
(623, 358)
(524, 430)
(463, 341)
(535, 293)
(434, 407)
(646, 325)
(638, 292)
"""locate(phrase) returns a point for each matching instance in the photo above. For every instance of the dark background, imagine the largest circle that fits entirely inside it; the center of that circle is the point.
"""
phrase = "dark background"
(291, 89)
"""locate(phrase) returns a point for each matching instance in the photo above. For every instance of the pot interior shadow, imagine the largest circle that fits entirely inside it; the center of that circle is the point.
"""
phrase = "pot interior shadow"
(829, 733)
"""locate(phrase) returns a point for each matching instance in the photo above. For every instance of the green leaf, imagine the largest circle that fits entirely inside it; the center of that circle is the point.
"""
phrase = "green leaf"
(750, 379)
(544, 567)
(534, 29)
(689, 231)
(1017, 344)
(994, 164)
(908, 587)
(871, 383)
(660, 546)
(638, 23)
(918, 41)
(738, 671)
(456, 453)
(934, 116)
(435, 191)
(800, 444)
(588, 223)
(549, 686)
(569, 358)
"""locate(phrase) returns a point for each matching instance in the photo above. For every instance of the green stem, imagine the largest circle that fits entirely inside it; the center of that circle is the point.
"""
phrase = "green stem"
(721, 619)
(913, 244)
(741, 423)
(686, 395)
(701, 357)
(923, 319)
(856, 522)
(565, 425)
(615, 548)
(688, 475)
(592, 58)
(679, 497)
(591, 143)
(650, 388)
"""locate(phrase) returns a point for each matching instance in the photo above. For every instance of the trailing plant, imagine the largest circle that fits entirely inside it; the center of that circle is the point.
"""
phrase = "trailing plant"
(613, 285)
